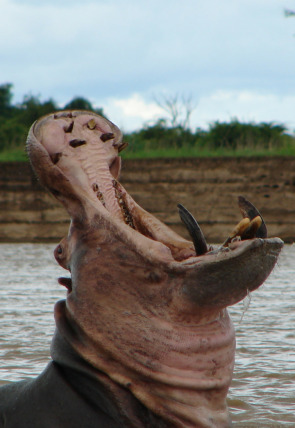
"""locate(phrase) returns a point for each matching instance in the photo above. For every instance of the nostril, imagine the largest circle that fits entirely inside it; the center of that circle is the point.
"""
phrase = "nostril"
(59, 250)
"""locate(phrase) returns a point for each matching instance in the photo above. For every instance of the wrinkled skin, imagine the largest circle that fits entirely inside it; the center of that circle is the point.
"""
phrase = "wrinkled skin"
(145, 308)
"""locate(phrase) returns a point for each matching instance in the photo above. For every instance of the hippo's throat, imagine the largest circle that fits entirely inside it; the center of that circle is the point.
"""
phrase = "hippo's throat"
(178, 373)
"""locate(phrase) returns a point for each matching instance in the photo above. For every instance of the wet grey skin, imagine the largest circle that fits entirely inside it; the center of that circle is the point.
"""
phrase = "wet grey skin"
(143, 338)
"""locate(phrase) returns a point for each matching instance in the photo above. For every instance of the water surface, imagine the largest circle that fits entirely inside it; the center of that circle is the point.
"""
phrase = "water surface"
(263, 389)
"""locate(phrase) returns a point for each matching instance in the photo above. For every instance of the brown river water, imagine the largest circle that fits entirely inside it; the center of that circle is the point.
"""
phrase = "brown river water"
(263, 389)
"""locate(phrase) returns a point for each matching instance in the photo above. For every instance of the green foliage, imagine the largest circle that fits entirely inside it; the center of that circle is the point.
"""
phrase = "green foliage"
(161, 139)
(5, 99)
(32, 108)
(80, 103)
(160, 136)
(15, 120)
(227, 139)
(13, 155)
(235, 135)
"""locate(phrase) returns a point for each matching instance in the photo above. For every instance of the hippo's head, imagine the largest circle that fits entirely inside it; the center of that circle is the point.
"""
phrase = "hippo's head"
(148, 307)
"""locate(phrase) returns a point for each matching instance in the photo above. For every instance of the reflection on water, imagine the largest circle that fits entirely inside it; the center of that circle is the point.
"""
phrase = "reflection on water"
(263, 389)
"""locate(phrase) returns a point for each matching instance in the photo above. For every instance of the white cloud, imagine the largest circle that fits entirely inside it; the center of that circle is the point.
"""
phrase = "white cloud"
(136, 106)
(234, 58)
(246, 106)
(132, 112)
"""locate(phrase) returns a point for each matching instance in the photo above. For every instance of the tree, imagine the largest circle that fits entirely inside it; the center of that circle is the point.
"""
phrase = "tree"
(178, 108)
(32, 108)
(5, 99)
(289, 12)
(80, 103)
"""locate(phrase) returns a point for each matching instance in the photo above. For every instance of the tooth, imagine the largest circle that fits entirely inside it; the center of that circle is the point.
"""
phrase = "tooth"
(100, 197)
(124, 209)
(77, 143)
(194, 230)
(240, 228)
(238, 231)
(249, 210)
(91, 124)
(122, 147)
(69, 128)
(107, 136)
(251, 230)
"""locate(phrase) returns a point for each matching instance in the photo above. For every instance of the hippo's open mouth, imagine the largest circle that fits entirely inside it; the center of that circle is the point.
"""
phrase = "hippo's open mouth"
(75, 155)
(145, 306)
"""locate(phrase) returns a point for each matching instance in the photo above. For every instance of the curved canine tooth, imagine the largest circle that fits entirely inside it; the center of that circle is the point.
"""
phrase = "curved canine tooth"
(107, 136)
(249, 210)
(194, 230)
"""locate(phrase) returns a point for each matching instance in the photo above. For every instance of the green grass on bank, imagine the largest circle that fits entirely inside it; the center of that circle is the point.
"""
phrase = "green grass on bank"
(19, 155)
(208, 153)
(14, 155)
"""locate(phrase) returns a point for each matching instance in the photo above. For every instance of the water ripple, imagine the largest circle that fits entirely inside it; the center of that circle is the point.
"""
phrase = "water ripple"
(263, 389)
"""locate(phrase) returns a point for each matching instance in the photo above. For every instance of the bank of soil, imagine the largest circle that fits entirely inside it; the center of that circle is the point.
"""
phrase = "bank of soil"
(209, 188)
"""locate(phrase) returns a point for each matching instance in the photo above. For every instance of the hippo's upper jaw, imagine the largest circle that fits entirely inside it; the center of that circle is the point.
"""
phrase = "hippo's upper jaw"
(148, 305)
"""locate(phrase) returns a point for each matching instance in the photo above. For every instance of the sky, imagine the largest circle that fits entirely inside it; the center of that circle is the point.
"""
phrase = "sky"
(235, 59)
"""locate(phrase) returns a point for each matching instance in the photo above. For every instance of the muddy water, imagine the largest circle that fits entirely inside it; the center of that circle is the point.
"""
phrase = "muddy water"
(263, 389)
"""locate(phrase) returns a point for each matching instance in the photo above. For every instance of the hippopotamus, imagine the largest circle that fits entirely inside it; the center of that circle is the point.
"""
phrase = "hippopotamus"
(143, 338)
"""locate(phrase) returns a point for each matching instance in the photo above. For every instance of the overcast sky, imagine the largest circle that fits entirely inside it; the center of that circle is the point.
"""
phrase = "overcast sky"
(236, 58)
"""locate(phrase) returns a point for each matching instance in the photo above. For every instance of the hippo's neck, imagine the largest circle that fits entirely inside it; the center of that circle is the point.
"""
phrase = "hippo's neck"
(97, 389)
(180, 375)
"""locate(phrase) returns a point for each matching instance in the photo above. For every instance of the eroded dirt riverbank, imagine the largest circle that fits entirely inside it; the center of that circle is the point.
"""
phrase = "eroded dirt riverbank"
(209, 188)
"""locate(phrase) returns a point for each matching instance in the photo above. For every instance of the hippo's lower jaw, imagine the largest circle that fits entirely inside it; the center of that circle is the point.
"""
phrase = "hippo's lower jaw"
(145, 306)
